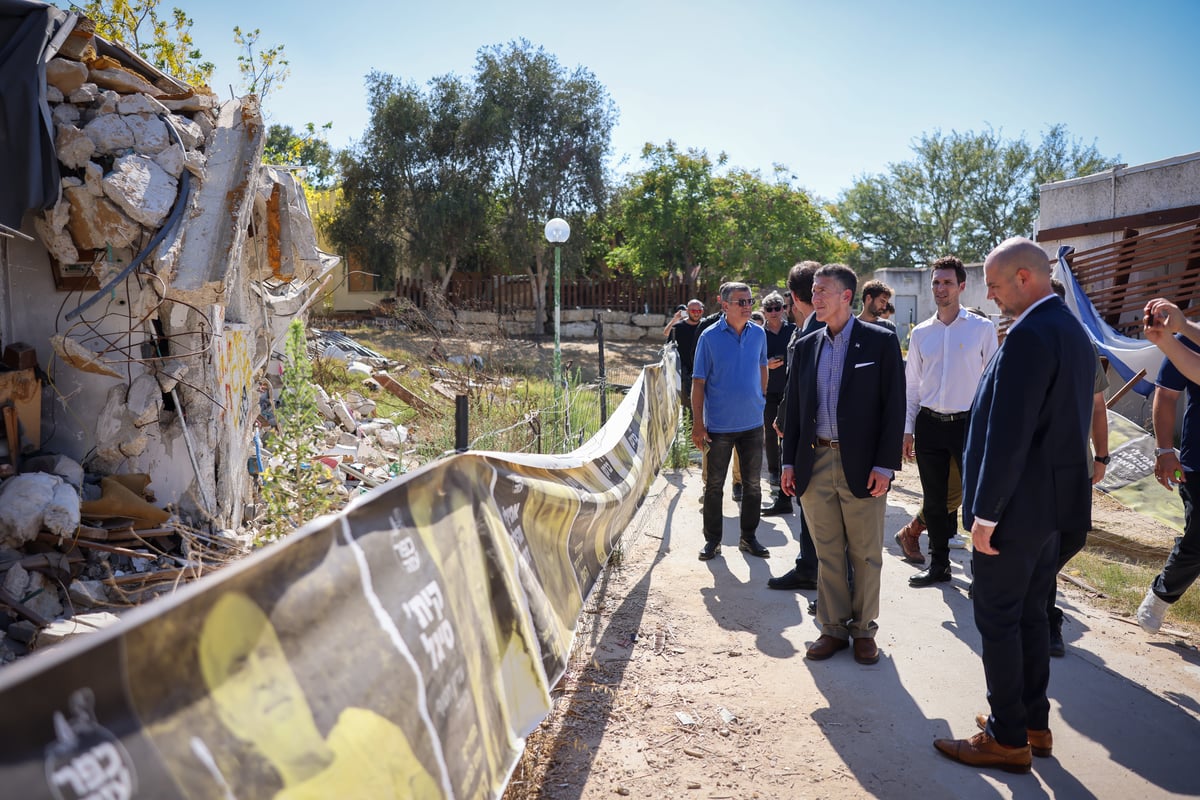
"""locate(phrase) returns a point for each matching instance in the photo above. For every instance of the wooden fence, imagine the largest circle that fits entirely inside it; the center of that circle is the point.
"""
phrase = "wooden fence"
(508, 293)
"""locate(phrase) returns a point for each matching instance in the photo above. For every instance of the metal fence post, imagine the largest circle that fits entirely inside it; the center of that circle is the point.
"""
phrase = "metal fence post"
(603, 380)
(460, 423)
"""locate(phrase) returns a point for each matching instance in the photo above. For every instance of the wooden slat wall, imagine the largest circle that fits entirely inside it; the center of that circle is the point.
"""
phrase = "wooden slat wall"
(1120, 277)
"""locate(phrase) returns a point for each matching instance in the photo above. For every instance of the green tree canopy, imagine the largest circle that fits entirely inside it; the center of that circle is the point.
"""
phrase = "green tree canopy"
(961, 194)
(678, 216)
(307, 149)
(166, 42)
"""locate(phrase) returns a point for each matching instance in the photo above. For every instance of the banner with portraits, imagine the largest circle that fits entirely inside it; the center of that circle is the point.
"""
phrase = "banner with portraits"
(402, 648)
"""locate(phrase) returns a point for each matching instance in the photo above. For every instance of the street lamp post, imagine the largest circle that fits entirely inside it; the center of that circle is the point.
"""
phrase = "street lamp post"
(557, 232)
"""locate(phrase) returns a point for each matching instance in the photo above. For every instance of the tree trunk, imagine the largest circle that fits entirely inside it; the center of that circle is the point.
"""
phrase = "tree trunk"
(449, 272)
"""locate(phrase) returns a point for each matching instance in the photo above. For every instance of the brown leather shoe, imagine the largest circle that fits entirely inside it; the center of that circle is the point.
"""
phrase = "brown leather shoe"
(1040, 742)
(825, 646)
(909, 539)
(865, 651)
(982, 750)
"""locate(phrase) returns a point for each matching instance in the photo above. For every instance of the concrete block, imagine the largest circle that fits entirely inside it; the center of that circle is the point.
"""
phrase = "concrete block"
(616, 317)
(142, 189)
(110, 133)
(149, 134)
(578, 330)
(623, 333)
(73, 147)
(650, 320)
(66, 75)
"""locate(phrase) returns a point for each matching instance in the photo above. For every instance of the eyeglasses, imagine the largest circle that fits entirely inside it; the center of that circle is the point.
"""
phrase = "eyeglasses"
(744, 302)
(773, 308)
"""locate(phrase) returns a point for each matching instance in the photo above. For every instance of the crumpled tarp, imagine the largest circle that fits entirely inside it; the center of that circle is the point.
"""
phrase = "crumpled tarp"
(29, 176)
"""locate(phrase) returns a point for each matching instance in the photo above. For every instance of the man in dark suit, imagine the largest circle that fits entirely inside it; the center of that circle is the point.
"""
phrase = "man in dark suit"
(842, 443)
(1025, 479)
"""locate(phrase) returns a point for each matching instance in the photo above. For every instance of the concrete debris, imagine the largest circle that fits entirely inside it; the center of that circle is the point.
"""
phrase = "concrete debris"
(74, 147)
(63, 466)
(110, 134)
(76, 625)
(35, 593)
(96, 222)
(74, 353)
(142, 189)
(61, 515)
(23, 502)
(65, 75)
(88, 594)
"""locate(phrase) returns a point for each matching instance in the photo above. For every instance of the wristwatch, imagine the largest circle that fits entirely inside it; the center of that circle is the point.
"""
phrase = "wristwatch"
(1104, 460)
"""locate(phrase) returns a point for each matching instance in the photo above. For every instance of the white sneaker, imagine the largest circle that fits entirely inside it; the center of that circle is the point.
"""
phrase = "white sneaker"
(1151, 612)
(957, 542)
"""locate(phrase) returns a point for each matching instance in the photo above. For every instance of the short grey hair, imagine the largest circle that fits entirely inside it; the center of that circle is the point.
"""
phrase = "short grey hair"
(727, 289)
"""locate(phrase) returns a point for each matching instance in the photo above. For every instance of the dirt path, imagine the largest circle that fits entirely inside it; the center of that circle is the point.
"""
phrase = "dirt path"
(691, 681)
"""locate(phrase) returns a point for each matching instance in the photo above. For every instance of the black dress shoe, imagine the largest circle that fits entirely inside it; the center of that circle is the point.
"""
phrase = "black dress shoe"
(782, 505)
(737, 493)
(928, 577)
(1058, 648)
(752, 547)
(710, 550)
(793, 579)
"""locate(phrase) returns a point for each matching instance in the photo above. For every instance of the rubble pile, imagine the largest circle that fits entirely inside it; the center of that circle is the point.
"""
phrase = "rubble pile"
(77, 546)
(123, 145)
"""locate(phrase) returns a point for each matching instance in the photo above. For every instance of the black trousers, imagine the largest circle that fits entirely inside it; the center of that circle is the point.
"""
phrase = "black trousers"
(720, 451)
(937, 444)
(770, 438)
(1069, 544)
(1010, 591)
(1183, 565)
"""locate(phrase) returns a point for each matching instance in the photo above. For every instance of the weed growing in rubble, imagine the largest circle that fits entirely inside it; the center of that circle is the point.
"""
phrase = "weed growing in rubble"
(296, 487)
(679, 456)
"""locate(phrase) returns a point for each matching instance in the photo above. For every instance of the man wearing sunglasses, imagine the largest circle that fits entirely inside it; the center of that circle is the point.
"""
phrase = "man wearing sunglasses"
(779, 333)
(728, 379)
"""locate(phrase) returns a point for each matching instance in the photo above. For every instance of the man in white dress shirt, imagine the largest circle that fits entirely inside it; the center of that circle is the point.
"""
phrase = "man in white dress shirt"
(946, 356)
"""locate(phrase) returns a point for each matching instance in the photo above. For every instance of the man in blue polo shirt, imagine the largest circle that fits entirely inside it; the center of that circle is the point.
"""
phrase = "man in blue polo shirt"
(729, 376)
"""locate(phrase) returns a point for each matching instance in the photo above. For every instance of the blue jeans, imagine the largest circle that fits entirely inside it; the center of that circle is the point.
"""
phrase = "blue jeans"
(720, 450)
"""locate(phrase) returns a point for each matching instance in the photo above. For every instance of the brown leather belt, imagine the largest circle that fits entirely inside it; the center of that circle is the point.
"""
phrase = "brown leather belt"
(832, 444)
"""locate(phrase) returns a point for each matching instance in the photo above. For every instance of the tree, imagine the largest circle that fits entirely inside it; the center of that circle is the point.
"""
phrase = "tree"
(962, 194)
(417, 189)
(546, 133)
(165, 43)
(308, 150)
(679, 217)
(666, 214)
(262, 69)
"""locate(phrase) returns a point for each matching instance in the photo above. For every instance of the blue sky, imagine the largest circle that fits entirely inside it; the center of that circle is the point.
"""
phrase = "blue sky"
(833, 90)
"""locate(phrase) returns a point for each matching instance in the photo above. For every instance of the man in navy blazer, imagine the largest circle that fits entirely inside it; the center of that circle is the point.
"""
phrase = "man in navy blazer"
(842, 443)
(1026, 477)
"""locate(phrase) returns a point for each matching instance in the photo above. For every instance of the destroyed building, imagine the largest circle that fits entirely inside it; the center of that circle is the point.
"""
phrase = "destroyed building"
(149, 266)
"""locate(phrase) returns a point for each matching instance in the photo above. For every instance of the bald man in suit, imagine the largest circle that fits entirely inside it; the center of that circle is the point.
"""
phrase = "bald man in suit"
(1026, 477)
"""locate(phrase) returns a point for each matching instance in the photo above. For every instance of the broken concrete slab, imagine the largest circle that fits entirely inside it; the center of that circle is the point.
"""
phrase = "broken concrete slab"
(64, 113)
(73, 147)
(34, 591)
(142, 189)
(122, 81)
(110, 133)
(86, 94)
(172, 160)
(150, 135)
(51, 228)
(78, 356)
(144, 400)
(190, 132)
(75, 626)
(97, 222)
(140, 104)
(65, 75)
(88, 594)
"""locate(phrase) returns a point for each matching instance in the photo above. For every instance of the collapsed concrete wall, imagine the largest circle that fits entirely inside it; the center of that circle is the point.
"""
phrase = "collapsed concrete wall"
(155, 290)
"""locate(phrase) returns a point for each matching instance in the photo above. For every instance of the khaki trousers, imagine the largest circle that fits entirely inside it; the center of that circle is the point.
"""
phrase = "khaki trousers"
(844, 528)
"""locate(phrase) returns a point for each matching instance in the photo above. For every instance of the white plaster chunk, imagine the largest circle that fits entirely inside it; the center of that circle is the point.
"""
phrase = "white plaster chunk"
(93, 177)
(121, 81)
(142, 189)
(75, 626)
(85, 94)
(64, 114)
(144, 400)
(205, 123)
(50, 226)
(110, 133)
(149, 134)
(64, 467)
(23, 501)
(87, 594)
(65, 75)
(96, 222)
(108, 103)
(140, 104)
(171, 160)
(388, 438)
(62, 512)
(54, 96)
(190, 133)
(344, 416)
